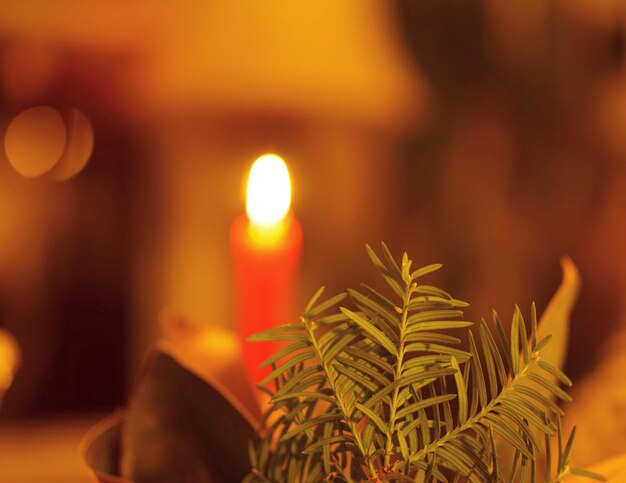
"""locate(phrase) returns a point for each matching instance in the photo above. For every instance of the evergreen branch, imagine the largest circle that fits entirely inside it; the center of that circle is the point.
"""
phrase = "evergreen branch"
(366, 392)
(399, 367)
(331, 379)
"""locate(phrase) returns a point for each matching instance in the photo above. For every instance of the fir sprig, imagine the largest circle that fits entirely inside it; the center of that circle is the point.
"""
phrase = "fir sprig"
(382, 391)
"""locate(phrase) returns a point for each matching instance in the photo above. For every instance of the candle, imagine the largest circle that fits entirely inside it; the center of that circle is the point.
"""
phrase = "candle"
(265, 245)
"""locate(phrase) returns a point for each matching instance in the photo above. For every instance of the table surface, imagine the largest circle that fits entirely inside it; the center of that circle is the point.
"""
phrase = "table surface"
(44, 451)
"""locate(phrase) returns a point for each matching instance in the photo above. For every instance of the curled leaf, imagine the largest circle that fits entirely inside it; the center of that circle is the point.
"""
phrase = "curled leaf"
(555, 320)
(101, 448)
(180, 428)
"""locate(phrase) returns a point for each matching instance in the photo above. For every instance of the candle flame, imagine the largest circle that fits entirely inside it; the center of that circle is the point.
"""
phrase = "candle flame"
(268, 198)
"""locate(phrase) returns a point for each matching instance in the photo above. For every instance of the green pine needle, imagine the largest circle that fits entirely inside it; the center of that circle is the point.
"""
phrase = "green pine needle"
(377, 391)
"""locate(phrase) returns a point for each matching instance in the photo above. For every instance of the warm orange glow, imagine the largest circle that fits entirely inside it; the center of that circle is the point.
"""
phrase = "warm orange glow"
(9, 360)
(268, 199)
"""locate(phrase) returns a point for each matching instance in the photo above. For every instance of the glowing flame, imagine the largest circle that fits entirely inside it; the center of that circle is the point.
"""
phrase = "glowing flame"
(268, 198)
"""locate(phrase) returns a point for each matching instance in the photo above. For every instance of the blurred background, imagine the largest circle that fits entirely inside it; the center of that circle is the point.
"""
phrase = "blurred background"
(489, 136)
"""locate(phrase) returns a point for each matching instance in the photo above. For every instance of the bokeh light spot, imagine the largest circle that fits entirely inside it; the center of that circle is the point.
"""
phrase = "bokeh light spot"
(35, 140)
(78, 148)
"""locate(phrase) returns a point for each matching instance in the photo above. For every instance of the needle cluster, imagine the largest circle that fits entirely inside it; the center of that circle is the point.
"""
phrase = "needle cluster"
(383, 389)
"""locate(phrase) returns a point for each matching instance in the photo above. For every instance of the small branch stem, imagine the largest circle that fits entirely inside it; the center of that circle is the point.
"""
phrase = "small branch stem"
(340, 403)
(398, 372)
(432, 447)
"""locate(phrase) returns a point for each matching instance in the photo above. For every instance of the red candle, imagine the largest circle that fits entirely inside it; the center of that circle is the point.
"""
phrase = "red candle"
(265, 244)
